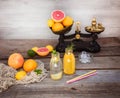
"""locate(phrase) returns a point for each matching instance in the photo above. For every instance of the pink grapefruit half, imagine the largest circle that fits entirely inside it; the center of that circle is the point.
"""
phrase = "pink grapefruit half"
(43, 51)
(58, 15)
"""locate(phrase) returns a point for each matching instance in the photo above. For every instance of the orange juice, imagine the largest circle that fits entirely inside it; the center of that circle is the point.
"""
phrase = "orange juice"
(69, 62)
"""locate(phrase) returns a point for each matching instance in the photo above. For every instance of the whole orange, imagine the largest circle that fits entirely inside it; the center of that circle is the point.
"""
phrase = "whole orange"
(30, 65)
(16, 60)
(57, 27)
(67, 21)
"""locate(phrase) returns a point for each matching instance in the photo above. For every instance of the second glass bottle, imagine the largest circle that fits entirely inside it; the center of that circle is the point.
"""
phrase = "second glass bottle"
(69, 61)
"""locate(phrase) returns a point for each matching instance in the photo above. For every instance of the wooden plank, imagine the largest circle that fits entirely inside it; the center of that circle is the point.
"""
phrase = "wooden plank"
(112, 62)
(22, 46)
(110, 46)
(38, 94)
(109, 41)
(105, 51)
(99, 63)
(105, 84)
(109, 51)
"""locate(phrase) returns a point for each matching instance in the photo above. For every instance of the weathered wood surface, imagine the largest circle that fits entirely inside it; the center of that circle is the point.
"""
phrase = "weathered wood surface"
(109, 46)
(98, 63)
(106, 84)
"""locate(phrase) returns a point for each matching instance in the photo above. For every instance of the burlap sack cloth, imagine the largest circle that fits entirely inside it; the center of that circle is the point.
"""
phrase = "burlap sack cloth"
(7, 76)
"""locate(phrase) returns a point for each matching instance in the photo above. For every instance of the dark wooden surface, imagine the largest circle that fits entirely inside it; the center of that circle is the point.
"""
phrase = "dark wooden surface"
(106, 84)
(109, 46)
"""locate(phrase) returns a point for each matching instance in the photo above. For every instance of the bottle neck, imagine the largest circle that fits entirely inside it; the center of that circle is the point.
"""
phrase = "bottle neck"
(68, 51)
(56, 55)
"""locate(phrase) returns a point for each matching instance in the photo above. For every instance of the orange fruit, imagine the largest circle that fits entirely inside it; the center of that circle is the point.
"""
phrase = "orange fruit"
(50, 22)
(20, 75)
(16, 60)
(30, 65)
(57, 27)
(50, 48)
(67, 21)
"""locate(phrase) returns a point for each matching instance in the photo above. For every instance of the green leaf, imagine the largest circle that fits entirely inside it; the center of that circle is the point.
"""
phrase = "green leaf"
(54, 52)
(70, 46)
(38, 71)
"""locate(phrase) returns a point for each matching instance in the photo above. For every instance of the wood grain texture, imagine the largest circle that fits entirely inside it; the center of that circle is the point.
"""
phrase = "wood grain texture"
(98, 63)
(110, 46)
(105, 84)
(27, 19)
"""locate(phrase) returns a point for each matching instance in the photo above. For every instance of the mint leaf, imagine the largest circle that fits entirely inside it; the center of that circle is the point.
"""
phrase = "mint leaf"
(38, 71)
(54, 51)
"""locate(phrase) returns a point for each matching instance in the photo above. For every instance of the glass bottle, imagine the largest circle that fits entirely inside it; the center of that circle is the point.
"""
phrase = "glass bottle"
(55, 66)
(69, 61)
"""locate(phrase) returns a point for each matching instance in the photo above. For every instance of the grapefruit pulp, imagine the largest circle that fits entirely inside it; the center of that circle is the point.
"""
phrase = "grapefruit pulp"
(43, 51)
(58, 15)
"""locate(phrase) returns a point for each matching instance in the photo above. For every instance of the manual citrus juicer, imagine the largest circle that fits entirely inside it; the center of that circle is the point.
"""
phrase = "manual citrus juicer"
(76, 39)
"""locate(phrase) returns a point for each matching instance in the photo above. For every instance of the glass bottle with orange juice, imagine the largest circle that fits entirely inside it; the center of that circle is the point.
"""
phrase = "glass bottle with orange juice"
(69, 61)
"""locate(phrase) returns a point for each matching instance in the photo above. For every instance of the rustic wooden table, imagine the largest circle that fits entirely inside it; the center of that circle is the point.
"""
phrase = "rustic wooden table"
(106, 84)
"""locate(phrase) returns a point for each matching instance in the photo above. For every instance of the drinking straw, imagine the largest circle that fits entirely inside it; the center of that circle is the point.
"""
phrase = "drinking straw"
(91, 73)
(81, 78)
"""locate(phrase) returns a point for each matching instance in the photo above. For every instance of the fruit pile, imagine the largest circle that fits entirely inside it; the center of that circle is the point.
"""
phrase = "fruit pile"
(59, 21)
(17, 61)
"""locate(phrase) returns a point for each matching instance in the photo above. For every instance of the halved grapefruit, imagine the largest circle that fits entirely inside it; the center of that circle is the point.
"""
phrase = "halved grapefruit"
(58, 15)
(43, 51)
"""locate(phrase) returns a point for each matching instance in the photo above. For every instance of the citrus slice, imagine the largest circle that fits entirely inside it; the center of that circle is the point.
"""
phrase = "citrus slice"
(50, 48)
(35, 49)
(43, 51)
(58, 15)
